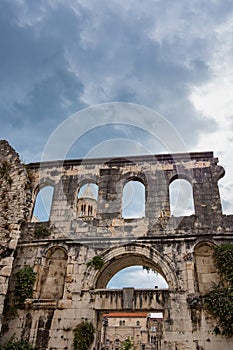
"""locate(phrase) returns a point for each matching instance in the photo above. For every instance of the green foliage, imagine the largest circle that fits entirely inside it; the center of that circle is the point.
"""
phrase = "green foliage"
(219, 300)
(127, 345)
(223, 258)
(97, 262)
(42, 231)
(25, 279)
(15, 344)
(83, 335)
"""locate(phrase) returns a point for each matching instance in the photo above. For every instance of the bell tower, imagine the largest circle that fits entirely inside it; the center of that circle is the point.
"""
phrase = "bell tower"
(87, 204)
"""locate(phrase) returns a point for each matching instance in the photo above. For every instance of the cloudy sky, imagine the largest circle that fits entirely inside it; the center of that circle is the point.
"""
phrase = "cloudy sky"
(143, 279)
(58, 57)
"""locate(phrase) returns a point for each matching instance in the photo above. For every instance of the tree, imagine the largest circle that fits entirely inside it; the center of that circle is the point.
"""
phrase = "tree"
(15, 344)
(219, 300)
(83, 335)
(127, 345)
(25, 279)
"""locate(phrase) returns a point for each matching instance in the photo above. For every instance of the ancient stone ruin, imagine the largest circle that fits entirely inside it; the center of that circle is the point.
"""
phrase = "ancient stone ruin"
(87, 240)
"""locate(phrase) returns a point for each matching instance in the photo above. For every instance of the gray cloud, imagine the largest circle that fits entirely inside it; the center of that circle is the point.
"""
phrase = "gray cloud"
(58, 57)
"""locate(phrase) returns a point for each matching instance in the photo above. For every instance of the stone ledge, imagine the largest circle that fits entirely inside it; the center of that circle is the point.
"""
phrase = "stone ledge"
(41, 303)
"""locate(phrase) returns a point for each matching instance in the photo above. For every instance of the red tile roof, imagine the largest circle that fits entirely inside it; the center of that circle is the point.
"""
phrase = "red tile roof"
(126, 314)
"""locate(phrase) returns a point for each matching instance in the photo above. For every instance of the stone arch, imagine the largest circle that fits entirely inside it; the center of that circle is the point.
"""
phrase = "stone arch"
(48, 201)
(85, 180)
(134, 176)
(206, 272)
(53, 274)
(39, 186)
(129, 255)
(181, 176)
(117, 340)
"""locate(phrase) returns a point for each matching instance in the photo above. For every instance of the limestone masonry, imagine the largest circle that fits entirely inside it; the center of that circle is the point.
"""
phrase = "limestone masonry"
(68, 290)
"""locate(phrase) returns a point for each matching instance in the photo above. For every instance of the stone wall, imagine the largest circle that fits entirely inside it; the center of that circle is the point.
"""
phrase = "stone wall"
(15, 200)
(68, 290)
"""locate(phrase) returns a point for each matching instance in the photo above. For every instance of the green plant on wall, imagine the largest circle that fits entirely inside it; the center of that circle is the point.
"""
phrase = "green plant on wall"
(25, 279)
(42, 231)
(97, 262)
(219, 300)
(127, 345)
(83, 335)
(15, 344)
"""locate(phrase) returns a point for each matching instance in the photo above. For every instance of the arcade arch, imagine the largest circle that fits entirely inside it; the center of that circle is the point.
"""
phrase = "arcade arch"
(118, 258)
(42, 203)
(181, 197)
(133, 199)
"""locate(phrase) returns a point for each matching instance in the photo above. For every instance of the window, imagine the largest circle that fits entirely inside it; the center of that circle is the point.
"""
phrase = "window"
(89, 210)
(133, 200)
(226, 202)
(181, 198)
(43, 204)
(87, 201)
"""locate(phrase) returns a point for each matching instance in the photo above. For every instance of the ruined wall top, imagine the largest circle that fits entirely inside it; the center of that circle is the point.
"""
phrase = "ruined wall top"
(155, 172)
(121, 161)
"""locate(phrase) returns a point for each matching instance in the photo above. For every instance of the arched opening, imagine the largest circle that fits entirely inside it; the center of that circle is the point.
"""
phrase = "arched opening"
(53, 278)
(43, 203)
(132, 312)
(181, 198)
(204, 265)
(87, 201)
(137, 277)
(133, 200)
(224, 186)
(131, 255)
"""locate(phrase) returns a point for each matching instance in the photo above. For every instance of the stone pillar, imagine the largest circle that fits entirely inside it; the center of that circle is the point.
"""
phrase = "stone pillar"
(189, 261)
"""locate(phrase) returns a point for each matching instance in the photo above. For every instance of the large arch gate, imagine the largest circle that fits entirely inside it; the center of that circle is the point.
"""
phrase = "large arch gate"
(85, 227)
(135, 302)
